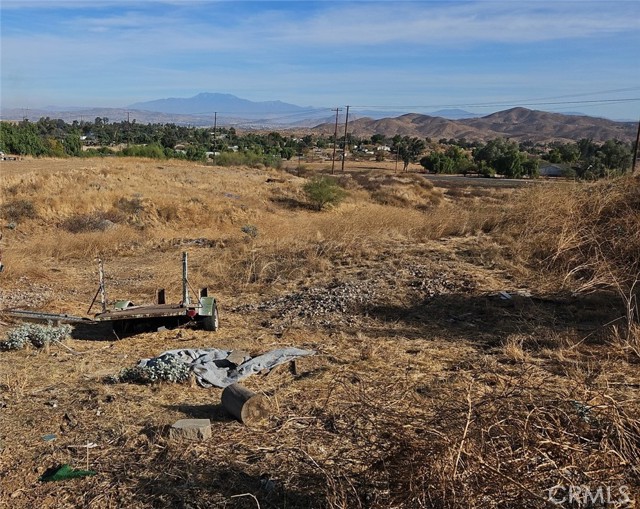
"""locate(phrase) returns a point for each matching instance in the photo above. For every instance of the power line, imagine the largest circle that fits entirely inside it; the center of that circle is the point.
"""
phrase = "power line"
(504, 104)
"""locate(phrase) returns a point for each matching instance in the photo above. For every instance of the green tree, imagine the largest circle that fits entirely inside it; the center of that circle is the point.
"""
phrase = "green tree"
(502, 156)
(378, 139)
(73, 145)
(409, 150)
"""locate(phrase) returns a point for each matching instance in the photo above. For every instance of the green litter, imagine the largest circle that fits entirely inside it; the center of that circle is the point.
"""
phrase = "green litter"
(64, 472)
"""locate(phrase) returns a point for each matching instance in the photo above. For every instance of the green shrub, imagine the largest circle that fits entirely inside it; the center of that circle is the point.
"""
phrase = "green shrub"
(159, 369)
(151, 151)
(34, 334)
(323, 191)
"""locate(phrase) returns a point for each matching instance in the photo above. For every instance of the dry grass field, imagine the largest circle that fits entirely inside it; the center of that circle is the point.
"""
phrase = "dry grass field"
(429, 388)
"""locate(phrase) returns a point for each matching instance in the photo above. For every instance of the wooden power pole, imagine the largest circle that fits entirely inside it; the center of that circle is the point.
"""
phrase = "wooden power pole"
(335, 139)
(344, 148)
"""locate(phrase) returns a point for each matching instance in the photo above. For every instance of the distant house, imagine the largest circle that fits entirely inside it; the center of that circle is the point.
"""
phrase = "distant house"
(552, 170)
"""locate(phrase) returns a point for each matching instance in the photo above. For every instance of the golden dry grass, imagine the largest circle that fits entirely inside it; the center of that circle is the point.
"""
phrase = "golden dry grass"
(432, 391)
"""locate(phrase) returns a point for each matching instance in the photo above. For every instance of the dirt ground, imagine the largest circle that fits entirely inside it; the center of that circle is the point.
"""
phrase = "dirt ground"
(441, 378)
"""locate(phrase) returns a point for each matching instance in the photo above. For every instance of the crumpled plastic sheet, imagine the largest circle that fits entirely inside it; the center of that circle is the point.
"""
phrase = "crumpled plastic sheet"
(212, 367)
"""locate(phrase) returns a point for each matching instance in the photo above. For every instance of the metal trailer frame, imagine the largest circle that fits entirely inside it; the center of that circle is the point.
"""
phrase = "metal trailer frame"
(125, 313)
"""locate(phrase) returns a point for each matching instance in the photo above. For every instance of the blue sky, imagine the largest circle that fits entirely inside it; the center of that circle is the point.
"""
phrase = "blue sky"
(481, 56)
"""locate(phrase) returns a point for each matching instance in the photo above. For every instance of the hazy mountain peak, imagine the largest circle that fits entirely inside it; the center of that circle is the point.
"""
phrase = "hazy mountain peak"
(206, 103)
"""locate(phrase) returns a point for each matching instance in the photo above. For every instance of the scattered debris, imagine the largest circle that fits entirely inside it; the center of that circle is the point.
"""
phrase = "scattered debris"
(64, 472)
(504, 295)
(192, 429)
(49, 437)
(246, 406)
(211, 366)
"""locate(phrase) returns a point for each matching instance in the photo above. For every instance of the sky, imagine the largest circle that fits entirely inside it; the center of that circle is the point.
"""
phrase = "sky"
(420, 56)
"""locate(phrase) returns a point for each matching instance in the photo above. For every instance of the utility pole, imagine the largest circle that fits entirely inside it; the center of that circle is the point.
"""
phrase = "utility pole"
(635, 151)
(344, 148)
(215, 125)
(335, 139)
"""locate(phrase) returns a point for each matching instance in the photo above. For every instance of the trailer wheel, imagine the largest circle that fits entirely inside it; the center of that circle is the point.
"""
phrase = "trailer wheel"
(210, 323)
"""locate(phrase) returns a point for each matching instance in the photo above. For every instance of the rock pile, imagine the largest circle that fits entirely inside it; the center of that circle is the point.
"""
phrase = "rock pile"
(429, 285)
(336, 302)
(345, 302)
(29, 294)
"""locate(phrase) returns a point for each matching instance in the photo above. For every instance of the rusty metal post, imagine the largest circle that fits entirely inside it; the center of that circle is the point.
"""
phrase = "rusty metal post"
(185, 281)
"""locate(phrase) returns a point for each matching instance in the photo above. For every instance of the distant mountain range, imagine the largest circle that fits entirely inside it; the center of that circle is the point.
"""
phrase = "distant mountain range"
(229, 110)
(516, 123)
(208, 104)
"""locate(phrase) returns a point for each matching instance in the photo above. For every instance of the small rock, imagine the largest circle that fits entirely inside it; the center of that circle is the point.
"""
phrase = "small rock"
(192, 429)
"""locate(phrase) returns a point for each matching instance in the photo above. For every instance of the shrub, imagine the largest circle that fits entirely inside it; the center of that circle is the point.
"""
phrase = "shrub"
(37, 335)
(130, 205)
(250, 230)
(160, 369)
(95, 221)
(152, 151)
(18, 210)
(323, 191)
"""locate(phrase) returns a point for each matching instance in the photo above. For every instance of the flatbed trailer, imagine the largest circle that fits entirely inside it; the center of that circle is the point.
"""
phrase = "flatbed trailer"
(125, 315)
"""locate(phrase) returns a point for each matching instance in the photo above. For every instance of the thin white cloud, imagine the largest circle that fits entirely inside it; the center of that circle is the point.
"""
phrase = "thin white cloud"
(278, 51)
(361, 24)
(425, 23)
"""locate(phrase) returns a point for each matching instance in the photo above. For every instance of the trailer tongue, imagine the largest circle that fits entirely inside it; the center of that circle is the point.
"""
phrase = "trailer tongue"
(126, 316)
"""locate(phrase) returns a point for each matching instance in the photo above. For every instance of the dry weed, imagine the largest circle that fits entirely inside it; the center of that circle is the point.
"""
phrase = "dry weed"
(587, 236)
(416, 405)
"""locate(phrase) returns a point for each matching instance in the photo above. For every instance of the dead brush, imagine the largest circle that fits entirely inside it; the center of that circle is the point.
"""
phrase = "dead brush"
(588, 235)
(18, 210)
(499, 441)
(83, 245)
(94, 221)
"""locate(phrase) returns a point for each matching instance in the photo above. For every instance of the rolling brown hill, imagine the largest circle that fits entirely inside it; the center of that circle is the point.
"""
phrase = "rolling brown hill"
(517, 123)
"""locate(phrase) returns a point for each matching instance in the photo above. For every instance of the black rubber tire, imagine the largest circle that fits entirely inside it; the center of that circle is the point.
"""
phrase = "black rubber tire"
(211, 323)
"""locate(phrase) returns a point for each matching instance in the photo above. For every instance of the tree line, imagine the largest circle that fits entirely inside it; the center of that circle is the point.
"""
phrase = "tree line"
(56, 138)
